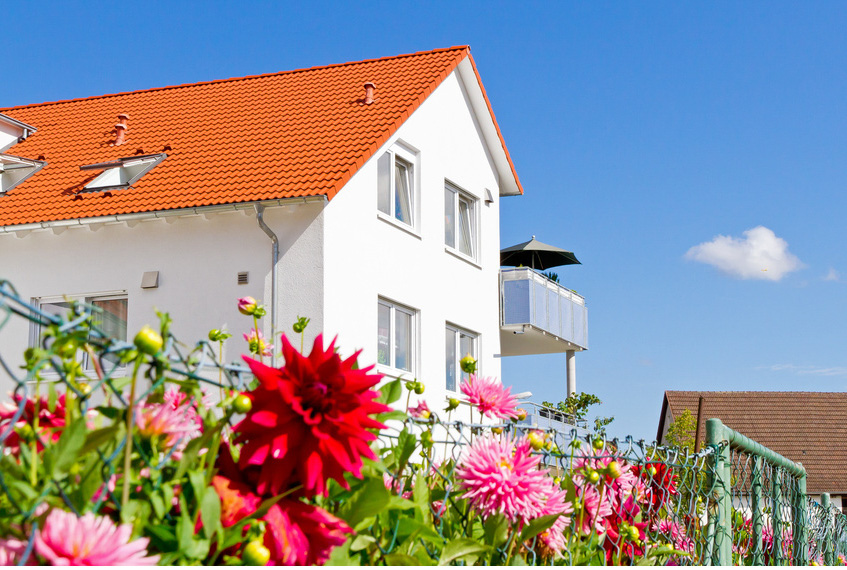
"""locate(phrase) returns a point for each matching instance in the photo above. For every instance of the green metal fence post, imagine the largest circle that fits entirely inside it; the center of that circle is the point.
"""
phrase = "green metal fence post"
(776, 518)
(800, 525)
(756, 488)
(828, 545)
(721, 483)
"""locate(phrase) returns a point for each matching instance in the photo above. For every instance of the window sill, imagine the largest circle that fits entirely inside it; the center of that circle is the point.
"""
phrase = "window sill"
(394, 373)
(398, 224)
(458, 255)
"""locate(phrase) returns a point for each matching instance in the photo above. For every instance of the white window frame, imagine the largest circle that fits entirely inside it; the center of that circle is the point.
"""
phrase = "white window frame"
(122, 173)
(389, 368)
(35, 328)
(457, 345)
(458, 195)
(387, 185)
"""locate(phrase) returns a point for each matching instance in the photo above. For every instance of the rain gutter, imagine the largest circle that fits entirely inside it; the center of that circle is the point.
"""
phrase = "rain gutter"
(260, 218)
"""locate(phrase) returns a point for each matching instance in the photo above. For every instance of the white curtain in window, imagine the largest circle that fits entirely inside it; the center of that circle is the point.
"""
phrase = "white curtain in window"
(449, 217)
(384, 183)
(452, 360)
(383, 346)
(402, 340)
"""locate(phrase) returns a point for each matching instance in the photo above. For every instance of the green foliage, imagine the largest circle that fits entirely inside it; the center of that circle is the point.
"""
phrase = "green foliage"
(577, 406)
(682, 430)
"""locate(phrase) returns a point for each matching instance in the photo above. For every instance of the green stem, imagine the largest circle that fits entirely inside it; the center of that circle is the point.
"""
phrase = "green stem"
(220, 369)
(130, 423)
(258, 342)
(302, 337)
(33, 475)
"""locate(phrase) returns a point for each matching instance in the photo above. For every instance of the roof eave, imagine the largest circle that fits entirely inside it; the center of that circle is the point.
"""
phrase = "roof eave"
(510, 184)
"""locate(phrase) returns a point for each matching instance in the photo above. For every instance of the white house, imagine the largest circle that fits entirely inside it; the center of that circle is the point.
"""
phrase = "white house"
(364, 195)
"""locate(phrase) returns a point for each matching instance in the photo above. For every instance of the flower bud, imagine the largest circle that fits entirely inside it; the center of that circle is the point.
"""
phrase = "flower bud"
(247, 305)
(426, 439)
(419, 388)
(148, 341)
(598, 443)
(613, 470)
(242, 404)
(468, 364)
(452, 404)
(592, 476)
(497, 430)
(301, 324)
(652, 471)
(255, 554)
(535, 441)
(521, 414)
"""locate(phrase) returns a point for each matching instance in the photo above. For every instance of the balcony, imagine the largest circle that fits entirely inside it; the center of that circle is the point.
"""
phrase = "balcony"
(538, 316)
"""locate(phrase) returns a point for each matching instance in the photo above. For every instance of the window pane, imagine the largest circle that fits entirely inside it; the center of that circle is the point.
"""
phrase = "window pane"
(452, 360)
(466, 346)
(57, 308)
(112, 320)
(383, 346)
(383, 183)
(402, 340)
(403, 191)
(449, 217)
(465, 238)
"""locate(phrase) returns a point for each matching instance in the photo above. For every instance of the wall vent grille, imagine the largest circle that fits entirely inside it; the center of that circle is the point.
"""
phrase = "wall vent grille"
(243, 277)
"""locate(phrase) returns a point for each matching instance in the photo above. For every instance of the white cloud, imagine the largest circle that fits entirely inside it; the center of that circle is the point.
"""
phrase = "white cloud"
(807, 369)
(833, 275)
(758, 255)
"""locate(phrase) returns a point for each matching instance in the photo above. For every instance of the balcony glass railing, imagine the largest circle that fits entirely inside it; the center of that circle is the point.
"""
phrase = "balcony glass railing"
(529, 298)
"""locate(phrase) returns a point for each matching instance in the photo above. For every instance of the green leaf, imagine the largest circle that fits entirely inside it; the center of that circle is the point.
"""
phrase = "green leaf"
(537, 526)
(369, 500)
(406, 443)
(210, 512)
(392, 415)
(409, 526)
(390, 392)
(400, 559)
(158, 504)
(496, 530)
(189, 455)
(340, 556)
(162, 537)
(361, 542)
(459, 548)
(67, 449)
(98, 437)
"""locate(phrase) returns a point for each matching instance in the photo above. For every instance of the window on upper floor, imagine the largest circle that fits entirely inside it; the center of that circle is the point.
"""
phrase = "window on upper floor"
(460, 343)
(396, 336)
(460, 220)
(109, 311)
(396, 192)
(123, 172)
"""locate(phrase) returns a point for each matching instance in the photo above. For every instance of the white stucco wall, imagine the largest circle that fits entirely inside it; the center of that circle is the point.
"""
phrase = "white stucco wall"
(367, 257)
(198, 258)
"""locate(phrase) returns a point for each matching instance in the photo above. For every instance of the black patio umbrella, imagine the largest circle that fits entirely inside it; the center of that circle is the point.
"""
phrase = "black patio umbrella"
(537, 255)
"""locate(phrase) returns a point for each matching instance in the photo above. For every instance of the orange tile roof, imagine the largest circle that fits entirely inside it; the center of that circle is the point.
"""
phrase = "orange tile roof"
(807, 427)
(265, 137)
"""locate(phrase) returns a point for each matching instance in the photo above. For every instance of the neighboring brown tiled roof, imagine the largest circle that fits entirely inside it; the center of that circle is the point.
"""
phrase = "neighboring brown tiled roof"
(265, 137)
(806, 427)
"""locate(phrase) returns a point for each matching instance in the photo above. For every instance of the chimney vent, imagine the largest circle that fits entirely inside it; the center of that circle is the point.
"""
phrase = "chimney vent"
(369, 93)
(121, 129)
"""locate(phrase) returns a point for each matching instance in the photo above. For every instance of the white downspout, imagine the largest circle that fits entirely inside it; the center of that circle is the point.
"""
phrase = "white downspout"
(571, 361)
(260, 217)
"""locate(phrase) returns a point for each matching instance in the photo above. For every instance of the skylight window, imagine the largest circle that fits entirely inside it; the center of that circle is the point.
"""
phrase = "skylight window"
(14, 170)
(123, 172)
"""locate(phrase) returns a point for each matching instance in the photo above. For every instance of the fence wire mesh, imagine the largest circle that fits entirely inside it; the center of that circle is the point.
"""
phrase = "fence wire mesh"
(632, 502)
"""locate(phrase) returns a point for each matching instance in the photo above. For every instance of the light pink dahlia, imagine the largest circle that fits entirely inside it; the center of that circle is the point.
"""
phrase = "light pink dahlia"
(11, 550)
(490, 396)
(420, 411)
(68, 540)
(675, 534)
(500, 475)
(175, 419)
(257, 343)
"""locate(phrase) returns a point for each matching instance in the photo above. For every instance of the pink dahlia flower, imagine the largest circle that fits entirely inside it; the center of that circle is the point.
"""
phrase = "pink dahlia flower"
(11, 550)
(299, 534)
(675, 534)
(68, 540)
(310, 420)
(247, 305)
(552, 541)
(490, 397)
(257, 343)
(175, 420)
(500, 475)
(420, 411)
(594, 507)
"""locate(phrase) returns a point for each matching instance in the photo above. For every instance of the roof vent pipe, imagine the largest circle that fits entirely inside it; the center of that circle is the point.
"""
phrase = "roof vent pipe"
(120, 129)
(369, 93)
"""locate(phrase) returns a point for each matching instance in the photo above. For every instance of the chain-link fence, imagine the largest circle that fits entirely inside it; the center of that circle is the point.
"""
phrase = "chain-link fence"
(619, 501)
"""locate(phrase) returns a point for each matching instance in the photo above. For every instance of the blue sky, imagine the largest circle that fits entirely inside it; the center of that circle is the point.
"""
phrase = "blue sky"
(639, 131)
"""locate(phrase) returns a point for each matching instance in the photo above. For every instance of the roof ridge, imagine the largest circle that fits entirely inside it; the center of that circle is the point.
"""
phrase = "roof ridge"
(244, 78)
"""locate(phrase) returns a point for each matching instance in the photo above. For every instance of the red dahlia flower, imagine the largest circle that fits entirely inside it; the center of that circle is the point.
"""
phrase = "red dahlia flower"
(309, 421)
(51, 422)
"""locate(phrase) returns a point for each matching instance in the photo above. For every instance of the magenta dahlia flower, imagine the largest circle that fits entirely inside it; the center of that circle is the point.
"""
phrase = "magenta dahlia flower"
(90, 540)
(51, 422)
(299, 534)
(500, 475)
(420, 411)
(310, 420)
(490, 397)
